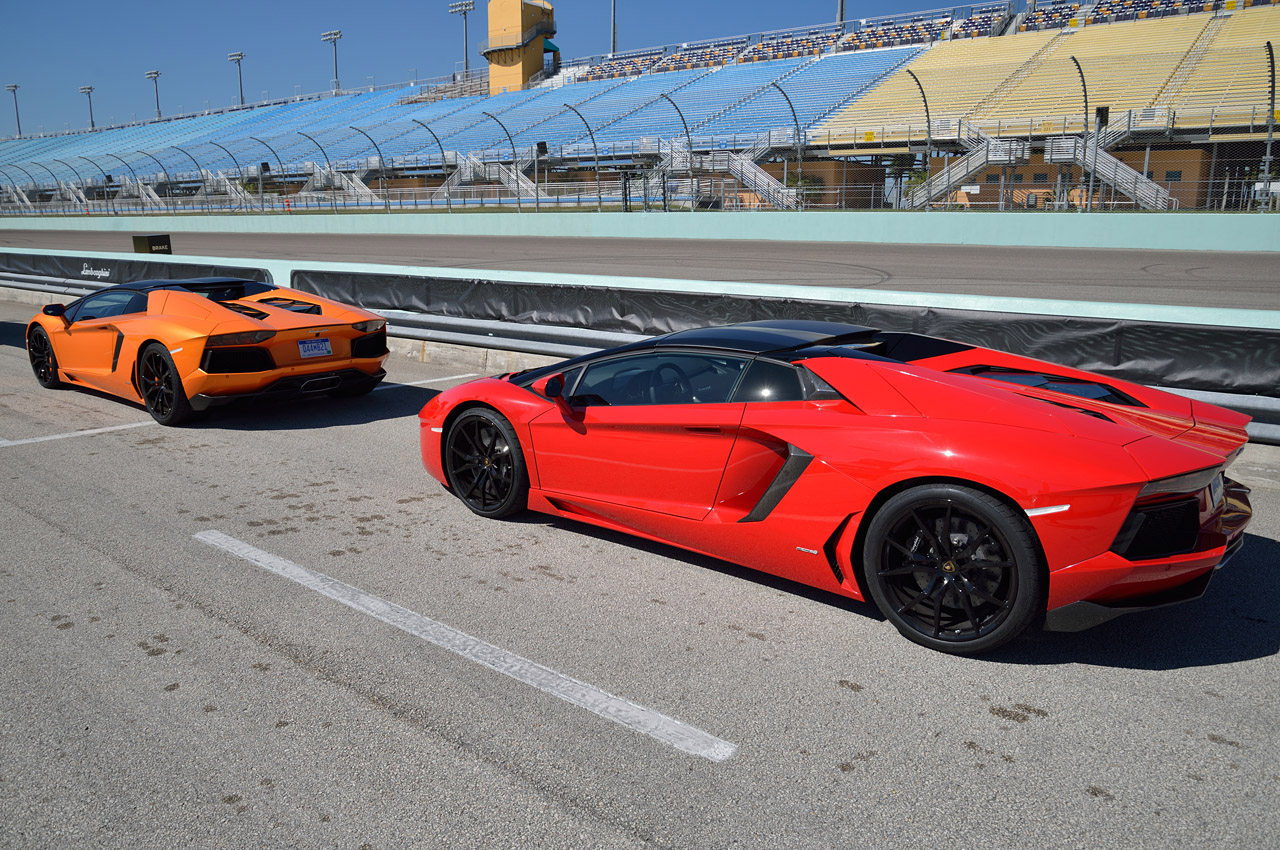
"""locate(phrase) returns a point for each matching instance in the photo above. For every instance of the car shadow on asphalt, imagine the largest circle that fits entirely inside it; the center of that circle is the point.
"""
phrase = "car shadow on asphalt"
(1235, 620)
(864, 609)
(1232, 622)
(389, 401)
(13, 334)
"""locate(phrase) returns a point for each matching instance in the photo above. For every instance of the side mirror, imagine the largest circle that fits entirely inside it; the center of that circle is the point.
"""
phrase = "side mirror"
(554, 387)
(54, 309)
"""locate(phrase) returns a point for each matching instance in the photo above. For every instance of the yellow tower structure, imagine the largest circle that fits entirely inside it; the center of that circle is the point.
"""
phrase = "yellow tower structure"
(519, 33)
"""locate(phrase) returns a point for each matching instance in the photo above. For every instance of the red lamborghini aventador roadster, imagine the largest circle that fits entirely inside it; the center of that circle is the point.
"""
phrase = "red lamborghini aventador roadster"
(969, 493)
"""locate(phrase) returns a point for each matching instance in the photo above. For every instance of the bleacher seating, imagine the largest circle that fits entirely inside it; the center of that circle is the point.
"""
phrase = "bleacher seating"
(622, 65)
(916, 31)
(1188, 65)
(792, 44)
(1051, 16)
(1109, 11)
(956, 75)
(815, 90)
(1125, 66)
(1231, 80)
(704, 55)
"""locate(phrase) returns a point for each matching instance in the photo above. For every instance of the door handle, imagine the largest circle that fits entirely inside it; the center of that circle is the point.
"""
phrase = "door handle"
(704, 429)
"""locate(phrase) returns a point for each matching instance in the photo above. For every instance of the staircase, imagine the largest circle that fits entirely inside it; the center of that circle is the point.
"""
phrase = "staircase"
(15, 196)
(331, 184)
(130, 188)
(983, 152)
(472, 170)
(1092, 157)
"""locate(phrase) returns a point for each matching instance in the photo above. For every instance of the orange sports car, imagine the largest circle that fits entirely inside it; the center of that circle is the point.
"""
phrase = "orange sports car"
(183, 346)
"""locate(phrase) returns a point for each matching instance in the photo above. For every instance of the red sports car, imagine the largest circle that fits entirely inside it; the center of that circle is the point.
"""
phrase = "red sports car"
(969, 493)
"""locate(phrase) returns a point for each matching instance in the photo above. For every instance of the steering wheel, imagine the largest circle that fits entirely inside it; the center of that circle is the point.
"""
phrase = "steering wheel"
(668, 384)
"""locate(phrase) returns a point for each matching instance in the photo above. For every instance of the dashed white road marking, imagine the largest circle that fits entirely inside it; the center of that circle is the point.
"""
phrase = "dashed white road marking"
(90, 432)
(428, 381)
(666, 729)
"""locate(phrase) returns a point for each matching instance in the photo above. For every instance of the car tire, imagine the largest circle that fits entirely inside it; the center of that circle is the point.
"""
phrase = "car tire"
(43, 362)
(485, 465)
(160, 386)
(953, 568)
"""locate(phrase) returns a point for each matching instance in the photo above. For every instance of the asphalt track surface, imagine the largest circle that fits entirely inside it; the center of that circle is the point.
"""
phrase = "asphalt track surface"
(157, 691)
(1181, 278)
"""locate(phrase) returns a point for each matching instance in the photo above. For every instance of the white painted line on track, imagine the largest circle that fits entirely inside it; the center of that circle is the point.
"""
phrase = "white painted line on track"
(71, 434)
(428, 381)
(666, 729)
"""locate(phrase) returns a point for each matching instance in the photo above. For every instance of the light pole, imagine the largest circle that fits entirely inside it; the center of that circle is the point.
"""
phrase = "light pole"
(154, 77)
(461, 8)
(332, 37)
(613, 27)
(693, 203)
(1271, 122)
(515, 164)
(599, 197)
(448, 202)
(88, 91)
(236, 57)
(13, 87)
(382, 167)
(1084, 87)
(799, 153)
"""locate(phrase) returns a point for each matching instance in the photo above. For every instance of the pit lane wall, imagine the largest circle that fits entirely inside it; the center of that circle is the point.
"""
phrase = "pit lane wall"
(1197, 231)
(1193, 349)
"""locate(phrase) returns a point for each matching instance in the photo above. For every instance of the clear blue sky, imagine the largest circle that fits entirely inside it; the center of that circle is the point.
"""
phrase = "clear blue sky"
(51, 48)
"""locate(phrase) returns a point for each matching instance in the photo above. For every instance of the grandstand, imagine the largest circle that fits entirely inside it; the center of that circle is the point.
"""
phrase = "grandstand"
(1004, 97)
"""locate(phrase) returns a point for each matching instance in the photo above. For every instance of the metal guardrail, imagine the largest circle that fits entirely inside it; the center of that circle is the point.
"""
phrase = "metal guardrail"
(558, 341)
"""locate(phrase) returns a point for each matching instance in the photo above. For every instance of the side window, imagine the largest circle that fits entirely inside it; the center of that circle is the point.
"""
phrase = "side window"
(107, 304)
(660, 378)
(768, 380)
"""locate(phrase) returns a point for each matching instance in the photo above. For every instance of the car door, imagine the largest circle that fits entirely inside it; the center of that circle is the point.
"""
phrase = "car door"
(87, 348)
(650, 430)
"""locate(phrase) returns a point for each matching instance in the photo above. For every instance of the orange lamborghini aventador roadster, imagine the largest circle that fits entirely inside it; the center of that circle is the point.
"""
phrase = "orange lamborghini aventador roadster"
(182, 346)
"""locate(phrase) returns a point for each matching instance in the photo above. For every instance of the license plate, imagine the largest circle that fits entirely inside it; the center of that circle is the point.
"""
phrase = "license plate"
(314, 347)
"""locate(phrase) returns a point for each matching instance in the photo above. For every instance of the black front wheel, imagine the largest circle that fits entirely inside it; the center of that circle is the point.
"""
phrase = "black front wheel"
(484, 464)
(43, 363)
(161, 387)
(954, 569)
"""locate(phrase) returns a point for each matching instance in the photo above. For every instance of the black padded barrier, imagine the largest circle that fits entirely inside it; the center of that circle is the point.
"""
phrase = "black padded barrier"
(1193, 357)
(92, 271)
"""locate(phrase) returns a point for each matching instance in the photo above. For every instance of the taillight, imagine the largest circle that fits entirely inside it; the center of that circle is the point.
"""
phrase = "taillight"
(242, 338)
(370, 325)
(1190, 482)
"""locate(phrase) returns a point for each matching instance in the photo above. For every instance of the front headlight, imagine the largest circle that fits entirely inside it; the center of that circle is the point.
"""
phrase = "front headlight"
(370, 326)
(243, 338)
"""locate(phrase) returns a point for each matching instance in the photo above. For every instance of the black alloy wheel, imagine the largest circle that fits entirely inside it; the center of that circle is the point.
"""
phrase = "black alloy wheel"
(43, 362)
(484, 464)
(953, 569)
(161, 387)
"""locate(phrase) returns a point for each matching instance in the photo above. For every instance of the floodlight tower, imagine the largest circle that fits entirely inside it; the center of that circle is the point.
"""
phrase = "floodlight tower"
(332, 37)
(13, 87)
(236, 57)
(88, 91)
(154, 77)
(462, 8)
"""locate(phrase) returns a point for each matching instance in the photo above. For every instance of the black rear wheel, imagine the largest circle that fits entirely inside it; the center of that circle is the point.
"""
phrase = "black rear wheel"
(161, 387)
(484, 464)
(43, 363)
(953, 569)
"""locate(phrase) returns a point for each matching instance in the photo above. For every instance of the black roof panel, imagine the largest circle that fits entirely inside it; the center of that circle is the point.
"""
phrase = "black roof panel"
(768, 335)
